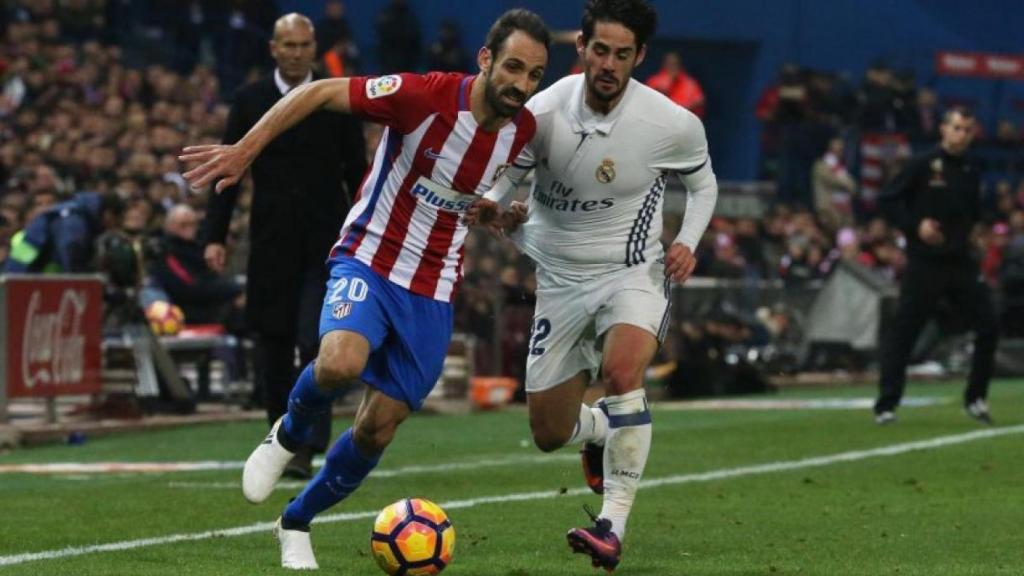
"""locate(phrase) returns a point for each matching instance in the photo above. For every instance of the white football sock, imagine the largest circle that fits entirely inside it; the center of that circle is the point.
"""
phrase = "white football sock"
(592, 426)
(625, 455)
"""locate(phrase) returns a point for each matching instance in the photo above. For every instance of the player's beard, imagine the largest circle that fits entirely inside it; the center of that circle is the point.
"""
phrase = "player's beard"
(494, 98)
(600, 96)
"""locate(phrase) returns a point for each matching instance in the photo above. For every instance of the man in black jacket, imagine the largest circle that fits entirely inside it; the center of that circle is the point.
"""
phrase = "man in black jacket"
(936, 202)
(180, 270)
(301, 192)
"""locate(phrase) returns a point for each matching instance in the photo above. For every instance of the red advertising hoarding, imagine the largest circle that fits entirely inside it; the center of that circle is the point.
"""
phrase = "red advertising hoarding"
(51, 335)
(980, 65)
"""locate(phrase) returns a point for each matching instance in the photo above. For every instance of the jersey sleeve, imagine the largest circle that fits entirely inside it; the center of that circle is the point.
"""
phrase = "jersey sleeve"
(685, 148)
(503, 190)
(400, 101)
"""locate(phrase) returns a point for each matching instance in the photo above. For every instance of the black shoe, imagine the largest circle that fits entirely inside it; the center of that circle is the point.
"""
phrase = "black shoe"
(978, 409)
(300, 467)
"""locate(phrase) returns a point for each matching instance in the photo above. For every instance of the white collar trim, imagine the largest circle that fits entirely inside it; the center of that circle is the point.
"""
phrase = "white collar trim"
(284, 87)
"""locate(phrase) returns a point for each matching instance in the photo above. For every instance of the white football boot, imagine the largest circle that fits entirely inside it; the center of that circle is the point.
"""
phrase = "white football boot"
(264, 466)
(296, 548)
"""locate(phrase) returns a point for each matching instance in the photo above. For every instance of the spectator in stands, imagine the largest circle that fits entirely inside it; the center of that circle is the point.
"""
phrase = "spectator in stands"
(398, 38)
(241, 39)
(447, 53)
(727, 261)
(834, 187)
(332, 28)
(924, 127)
(62, 238)
(674, 81)
(785, 108)
(796, 267)
(936, 202)
(879, 100)
(181, 271)
(750, 246)
(1007, 134)
(335, 47)
(994, 245)
(301, 187)
(1011, 276)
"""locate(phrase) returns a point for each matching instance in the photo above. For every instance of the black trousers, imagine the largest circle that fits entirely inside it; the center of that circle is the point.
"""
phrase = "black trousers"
(276, 366)
(926, 284)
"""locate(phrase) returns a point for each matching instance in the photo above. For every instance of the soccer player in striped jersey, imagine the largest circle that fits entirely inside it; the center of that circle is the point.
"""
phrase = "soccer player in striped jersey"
(605, 146)
(387, 317)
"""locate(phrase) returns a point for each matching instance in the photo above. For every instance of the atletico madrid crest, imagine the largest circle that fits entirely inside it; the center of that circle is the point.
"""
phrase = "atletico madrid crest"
(341, 310)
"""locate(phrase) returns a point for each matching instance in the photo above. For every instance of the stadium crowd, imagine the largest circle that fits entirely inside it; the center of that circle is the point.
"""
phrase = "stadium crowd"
(80, 113)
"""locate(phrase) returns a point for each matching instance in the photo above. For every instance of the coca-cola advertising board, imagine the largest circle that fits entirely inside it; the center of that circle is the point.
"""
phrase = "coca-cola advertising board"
(50, 330)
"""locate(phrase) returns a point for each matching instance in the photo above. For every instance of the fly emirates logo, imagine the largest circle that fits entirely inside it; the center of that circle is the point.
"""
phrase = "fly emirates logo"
(556, 197)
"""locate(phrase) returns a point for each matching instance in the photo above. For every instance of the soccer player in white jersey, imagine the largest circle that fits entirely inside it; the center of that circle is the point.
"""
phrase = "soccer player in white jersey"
(604, 148)
(387, 317)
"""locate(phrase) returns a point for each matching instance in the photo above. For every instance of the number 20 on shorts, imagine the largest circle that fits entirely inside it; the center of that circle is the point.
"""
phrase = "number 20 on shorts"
(357, 290)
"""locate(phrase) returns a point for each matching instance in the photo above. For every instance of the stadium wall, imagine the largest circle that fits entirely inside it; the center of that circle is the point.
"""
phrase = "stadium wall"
(747, 41)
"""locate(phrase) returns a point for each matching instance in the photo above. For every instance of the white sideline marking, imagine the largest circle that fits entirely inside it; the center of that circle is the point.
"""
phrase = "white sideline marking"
(795, 403)
(770, 467)
(205, 466)
(201, 466)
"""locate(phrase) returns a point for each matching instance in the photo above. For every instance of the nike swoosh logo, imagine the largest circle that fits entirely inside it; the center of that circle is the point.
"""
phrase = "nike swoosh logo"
(429, 153)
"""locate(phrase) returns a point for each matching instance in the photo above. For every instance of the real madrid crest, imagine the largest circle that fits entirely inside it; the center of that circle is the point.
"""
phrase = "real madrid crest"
(606, 171)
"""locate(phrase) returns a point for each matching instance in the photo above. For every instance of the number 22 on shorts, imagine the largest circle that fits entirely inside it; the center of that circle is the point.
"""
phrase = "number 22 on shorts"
(540, 330)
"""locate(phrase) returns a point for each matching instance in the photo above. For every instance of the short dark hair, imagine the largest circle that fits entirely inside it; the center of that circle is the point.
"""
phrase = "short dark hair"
(637, 15)
(964, 112)
(513, 20)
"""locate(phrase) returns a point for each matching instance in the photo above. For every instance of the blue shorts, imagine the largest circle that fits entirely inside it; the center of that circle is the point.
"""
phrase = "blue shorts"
(408, 333)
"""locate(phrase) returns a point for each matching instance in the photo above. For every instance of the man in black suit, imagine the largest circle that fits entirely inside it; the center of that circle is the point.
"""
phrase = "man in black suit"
(301, 193)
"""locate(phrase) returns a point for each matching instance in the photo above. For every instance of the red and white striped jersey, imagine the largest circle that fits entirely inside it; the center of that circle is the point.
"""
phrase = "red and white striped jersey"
(432, 162)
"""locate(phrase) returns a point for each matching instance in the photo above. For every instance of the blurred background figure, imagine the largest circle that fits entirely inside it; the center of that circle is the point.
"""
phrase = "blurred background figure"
(335, 48)
(834, 187)
(62, 238)
(446, 54)
(673, 81)
(301, 192)
(178, 267)
(399, 43)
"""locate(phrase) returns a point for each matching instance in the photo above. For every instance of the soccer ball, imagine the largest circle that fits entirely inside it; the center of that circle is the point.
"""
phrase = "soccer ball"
(413, 537)
(164, 318)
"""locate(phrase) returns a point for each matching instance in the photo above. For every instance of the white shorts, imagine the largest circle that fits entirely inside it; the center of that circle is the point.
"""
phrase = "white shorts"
(569, 322)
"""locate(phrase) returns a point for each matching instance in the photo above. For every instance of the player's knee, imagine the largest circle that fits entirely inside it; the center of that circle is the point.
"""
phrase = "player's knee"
(336, 371)
(620, 380)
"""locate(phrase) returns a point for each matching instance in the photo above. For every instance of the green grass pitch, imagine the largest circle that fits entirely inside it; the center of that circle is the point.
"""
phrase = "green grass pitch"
(731, 492)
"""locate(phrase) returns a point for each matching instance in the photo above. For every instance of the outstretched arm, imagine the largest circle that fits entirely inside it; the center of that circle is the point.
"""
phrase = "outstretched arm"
(225, 164)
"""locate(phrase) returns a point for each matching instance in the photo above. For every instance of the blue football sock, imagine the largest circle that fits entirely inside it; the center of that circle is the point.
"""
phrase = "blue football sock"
(306, 404)
(343, 472)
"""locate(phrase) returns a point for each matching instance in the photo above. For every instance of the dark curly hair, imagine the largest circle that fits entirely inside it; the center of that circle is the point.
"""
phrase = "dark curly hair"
(636, 15)
(517, 19)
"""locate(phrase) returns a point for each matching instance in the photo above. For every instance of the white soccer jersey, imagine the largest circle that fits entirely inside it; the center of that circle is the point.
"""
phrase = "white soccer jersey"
(596, 202)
